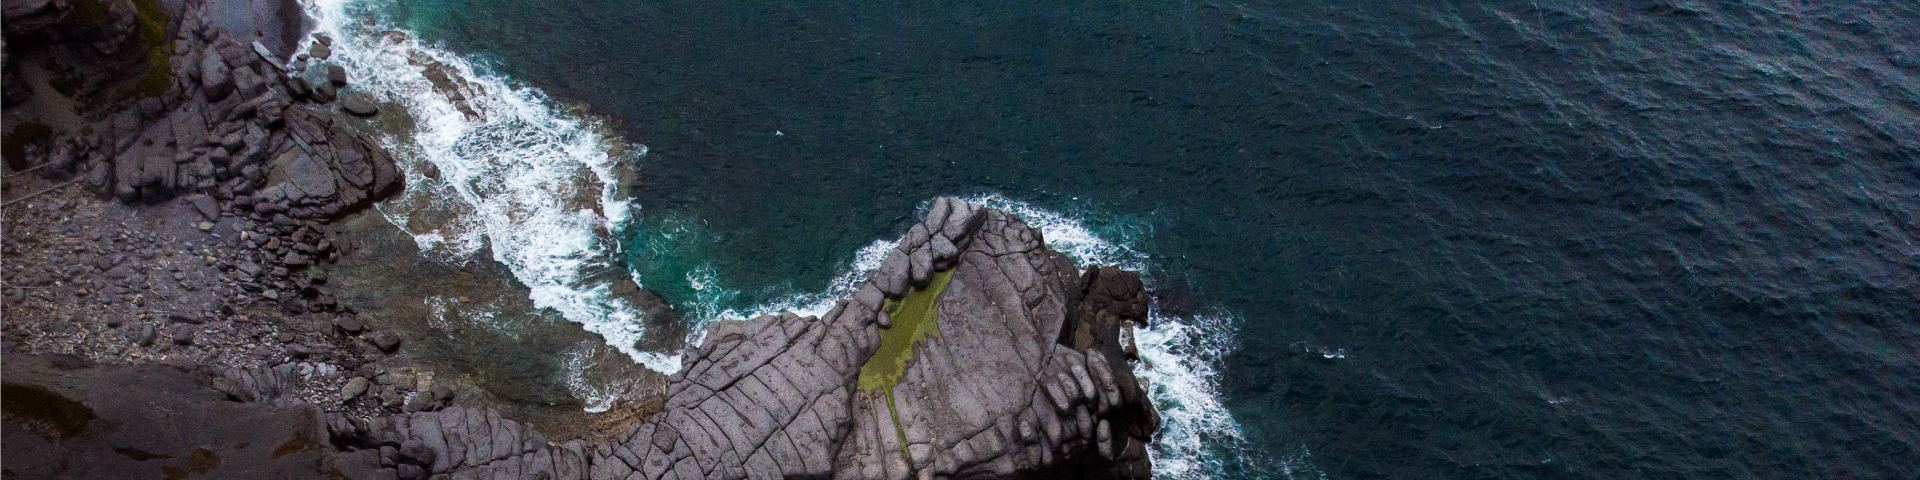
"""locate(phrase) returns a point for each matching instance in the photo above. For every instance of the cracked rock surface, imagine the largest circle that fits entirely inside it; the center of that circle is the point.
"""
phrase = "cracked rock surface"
(1027, 377)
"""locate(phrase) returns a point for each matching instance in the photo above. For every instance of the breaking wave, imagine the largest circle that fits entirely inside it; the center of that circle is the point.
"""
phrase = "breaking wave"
(498, 168)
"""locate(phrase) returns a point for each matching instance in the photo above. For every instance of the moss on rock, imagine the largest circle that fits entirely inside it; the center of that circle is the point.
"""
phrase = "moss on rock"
(915, 316)
(152, 26)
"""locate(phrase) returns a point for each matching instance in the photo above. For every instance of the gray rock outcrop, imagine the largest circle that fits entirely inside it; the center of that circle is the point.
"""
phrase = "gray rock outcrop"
(1026, 377)
(220, 117)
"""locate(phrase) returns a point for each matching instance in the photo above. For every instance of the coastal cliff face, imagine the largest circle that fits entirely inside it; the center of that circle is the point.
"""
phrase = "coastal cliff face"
(973, 352)
(175, 194)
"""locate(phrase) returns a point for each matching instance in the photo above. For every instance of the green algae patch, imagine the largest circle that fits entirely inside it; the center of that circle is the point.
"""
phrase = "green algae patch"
(915, 316)
(152, 27)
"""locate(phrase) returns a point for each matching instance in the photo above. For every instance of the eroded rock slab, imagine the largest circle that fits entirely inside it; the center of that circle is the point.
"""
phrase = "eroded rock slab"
(1027, 376)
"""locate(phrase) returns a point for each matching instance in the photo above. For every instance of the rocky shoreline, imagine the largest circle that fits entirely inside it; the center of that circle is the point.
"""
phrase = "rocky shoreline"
(177, 195)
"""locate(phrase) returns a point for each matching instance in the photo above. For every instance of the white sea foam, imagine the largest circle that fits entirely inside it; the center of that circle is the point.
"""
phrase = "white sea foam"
(1180, 356)
(523, 178)
(865, 261)
(516, 174)
(598, 396)
(1069, 235)
(450, 313)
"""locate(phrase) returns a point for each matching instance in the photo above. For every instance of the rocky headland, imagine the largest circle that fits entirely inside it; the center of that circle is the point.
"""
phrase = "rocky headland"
(181, 186)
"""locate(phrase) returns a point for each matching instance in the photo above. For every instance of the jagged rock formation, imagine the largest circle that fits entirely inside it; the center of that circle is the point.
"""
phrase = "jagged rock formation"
(213, 112)
(1027, 376)
(972, 352)
(216, 173)
(209, 117)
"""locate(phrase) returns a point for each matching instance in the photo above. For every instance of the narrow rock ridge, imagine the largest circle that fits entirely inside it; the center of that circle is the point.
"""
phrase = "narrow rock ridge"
(1028, 377)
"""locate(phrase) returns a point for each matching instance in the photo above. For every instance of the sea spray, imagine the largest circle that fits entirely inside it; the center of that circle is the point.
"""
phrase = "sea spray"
(599, 396)
(493, 166)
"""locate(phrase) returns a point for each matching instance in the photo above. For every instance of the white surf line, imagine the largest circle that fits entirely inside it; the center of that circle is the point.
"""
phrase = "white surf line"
(509, 180)
(1180, 356)
(516, 175)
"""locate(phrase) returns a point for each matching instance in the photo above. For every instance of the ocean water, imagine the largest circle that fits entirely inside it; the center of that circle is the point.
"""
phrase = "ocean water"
(1387, 239)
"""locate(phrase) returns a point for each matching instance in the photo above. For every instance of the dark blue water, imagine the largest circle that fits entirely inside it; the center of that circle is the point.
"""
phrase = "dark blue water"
(1473, 239)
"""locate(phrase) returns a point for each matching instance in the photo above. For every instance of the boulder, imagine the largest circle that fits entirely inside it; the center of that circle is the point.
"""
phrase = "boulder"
(182, 333)
(216, 79)
(353, 389)
(348, 324)
(248, 83)
(386, 341)
(893, 275)
(359, 106)
(206, 206)
(336, 75)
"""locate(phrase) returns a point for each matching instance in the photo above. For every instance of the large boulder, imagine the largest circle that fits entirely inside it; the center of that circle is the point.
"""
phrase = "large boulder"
(216, 79)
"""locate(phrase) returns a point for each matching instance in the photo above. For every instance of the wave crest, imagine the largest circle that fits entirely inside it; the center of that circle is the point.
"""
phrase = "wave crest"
(496, 167)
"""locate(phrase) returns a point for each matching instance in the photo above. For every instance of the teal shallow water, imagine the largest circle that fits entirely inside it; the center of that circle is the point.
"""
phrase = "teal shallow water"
(1491, 239)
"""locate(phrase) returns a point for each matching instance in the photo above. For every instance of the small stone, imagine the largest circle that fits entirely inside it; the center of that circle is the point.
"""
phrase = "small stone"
(142, 335)
(386, 341)
(204, 226)
(182, 333)
(184, 317)
(353, 389)
(349, 324)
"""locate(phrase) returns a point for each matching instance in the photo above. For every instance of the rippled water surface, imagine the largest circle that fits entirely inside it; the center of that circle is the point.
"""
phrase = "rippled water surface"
(1476, 239)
